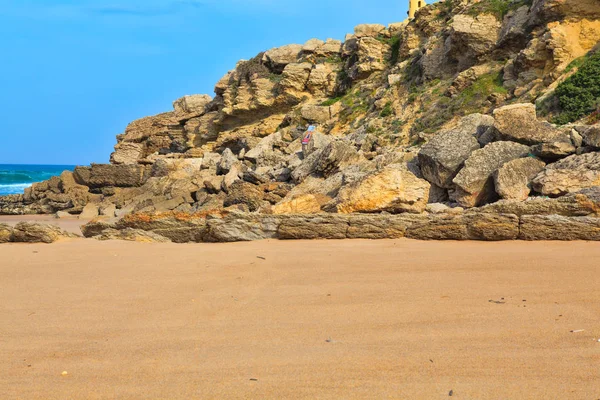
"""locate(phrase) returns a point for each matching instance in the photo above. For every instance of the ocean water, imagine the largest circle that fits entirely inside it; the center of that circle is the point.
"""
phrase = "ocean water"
(15, 178)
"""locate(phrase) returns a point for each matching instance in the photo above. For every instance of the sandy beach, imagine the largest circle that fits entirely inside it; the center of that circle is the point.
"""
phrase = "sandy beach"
(395, 319)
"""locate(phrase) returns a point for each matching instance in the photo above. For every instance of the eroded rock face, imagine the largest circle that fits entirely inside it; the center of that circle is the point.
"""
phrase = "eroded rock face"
(443, 156)
(132, 235)
(28, 232)
(191, 106)
(471, 38)
(103, 175)
(5, 233)
(518, 122)
(395, 190)
(513, 179)
(569, 175)
(474, 183)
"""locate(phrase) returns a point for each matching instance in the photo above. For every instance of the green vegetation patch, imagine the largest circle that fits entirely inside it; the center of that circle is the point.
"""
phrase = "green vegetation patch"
(438, 110)
(499, 8)
(387, 110)
(579, 95)
(330, 102)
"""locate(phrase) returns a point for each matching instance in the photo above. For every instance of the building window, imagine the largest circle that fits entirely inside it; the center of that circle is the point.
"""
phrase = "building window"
(419, 4)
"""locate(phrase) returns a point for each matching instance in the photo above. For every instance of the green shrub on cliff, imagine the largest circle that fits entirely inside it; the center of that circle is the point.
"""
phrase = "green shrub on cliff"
(579, 95)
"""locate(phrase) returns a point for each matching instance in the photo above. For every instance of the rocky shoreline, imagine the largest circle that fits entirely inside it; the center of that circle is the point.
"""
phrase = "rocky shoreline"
(423, 127)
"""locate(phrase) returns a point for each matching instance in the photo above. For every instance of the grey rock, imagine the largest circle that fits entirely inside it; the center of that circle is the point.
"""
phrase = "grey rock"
(227, 161)
(557, 227)
(513, 179)
(518, 122)
(569, 175)
(444, 155)
(553, 151)
(474, 183)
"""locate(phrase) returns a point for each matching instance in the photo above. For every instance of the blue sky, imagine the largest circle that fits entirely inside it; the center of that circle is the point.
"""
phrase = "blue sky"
(75, 72)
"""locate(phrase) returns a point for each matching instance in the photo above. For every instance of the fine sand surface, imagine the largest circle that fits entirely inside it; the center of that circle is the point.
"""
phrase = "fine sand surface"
(394, 319)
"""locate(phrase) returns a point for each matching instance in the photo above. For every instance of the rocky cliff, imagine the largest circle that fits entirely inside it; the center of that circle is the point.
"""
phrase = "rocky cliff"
(445, 113)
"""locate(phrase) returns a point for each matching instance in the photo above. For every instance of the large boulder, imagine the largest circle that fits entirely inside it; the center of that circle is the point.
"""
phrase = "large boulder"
(302, 204)
(241, 192)
(5, 233)
(102, 175)
(590, 135)
(472, 37)
(326, 161)
(395, 189)
(192, 106)
(444, 155)
(28, 232)
(569, 175)
(513, 179)
(553, 151)
(518, 122)
(127, 153)
(475, 183)
(276, 59)
(370, 55)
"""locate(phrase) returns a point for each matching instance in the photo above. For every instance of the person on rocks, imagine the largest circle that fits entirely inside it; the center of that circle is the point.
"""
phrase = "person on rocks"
(307, 140)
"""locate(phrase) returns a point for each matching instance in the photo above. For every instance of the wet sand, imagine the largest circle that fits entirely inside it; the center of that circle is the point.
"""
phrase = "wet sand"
(393, 319)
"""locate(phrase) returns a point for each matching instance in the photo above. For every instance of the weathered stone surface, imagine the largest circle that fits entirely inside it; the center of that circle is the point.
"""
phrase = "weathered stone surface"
(132, 235)
(313, 227)
(569, 175)
(326, 161)
(248, 228)
(584, 203)
(378, 226)
(246, 193)
(191, 106)
(276, 59)
(370, 57)
(474, 183)
(5, 233)
(302, 204)
(553, 151)
(90, 211)
(368, 30)
(227, 161)
(395, 190)
(472, 37)
(127, 153)
(28, 232)
(590, 135)
(513, 179)
(556, 227)
(518, 122)
(102, 175)
(444, 155)
(467, 226)
(178, 227)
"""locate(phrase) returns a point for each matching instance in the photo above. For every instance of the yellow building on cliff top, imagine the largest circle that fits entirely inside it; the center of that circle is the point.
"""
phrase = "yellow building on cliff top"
(414, 6)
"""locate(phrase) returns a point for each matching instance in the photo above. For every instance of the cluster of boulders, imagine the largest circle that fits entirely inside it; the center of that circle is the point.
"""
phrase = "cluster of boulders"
(511, 155)
(241, 151)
